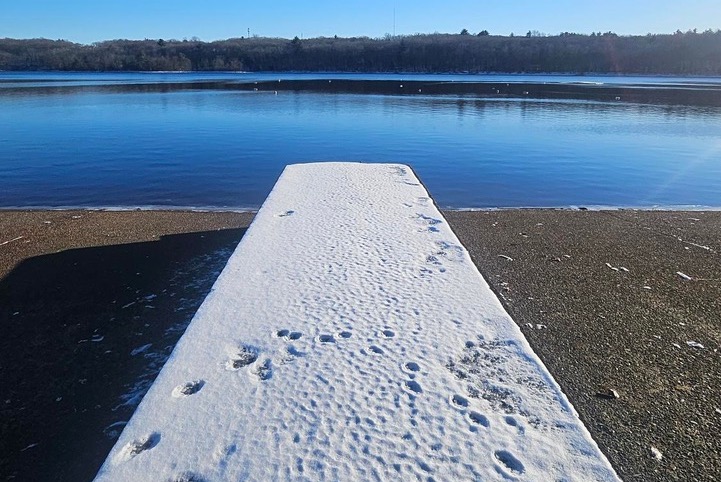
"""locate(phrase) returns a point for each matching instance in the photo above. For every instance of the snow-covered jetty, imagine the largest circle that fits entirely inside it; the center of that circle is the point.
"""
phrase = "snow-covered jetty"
(350, 337)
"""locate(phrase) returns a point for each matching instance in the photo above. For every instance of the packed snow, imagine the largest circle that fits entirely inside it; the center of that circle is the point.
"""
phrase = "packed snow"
(350, 337)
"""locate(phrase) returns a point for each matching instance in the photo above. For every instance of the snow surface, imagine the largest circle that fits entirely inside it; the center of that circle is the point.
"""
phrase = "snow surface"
(350, 337)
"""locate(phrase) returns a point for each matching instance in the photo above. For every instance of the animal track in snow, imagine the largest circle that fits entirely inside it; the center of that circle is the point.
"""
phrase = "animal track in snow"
(492, 369)
(424, 466)
(188, 388)
(264, 370)
(446, 252)
(388, 333)
(287, 334)
(413, 387)
(423, 219)
(428, 223)
(244, 357)
(138, 446)
(511, 421)
(459, 401)
(410, 367)
(223, 453)
(326, 339)
(479, 419)
(433, 259)
(425, 272)
(294, 351)
(375, 350)
(186, 477)
(291, 354)
(510, 462)
(345, 334)
(449, 251)
(399, 171)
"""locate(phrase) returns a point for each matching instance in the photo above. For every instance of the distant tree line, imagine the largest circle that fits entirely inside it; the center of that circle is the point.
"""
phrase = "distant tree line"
(679, 53)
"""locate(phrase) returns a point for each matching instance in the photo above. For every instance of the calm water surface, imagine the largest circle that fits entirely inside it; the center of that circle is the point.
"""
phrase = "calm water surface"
(192, 140)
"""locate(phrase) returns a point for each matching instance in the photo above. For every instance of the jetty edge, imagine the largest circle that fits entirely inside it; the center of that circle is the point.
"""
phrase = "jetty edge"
(350, 336)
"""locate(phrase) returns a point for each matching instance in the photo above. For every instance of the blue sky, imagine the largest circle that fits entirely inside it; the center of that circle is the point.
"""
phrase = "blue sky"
(92, 20)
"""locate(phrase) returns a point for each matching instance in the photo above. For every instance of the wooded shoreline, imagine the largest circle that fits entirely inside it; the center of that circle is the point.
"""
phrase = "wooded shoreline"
(681, 53)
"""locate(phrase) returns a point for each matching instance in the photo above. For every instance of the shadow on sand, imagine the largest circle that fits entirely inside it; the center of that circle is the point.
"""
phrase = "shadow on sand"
(84, 333)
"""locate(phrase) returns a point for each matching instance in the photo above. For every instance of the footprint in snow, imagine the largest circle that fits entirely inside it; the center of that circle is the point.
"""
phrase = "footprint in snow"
(345, 334)
(223, 453)
(186, 477)
(242, 358)
(326, 339)
(427, 223)
(433, 259)
(410, 367)
(388, 333)
(449, 251)
(287, 334)
(286, 214)
(293, 351)
(479, 419)
(264, 370)
(188, 388)
(291, 354)
(375, 350)
(412, 387)
(514, 423)
(509, 462)
(459, 402)
(137, 447)
(424, 466)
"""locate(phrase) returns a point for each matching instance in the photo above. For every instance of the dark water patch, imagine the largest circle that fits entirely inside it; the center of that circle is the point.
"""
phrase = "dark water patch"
(691, 94)
(684, 94)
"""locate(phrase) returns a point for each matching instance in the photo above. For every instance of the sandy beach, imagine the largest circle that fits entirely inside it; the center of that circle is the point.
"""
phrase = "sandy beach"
(614, 302)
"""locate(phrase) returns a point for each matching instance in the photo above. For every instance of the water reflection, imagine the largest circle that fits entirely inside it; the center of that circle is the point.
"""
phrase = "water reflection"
(218, 143)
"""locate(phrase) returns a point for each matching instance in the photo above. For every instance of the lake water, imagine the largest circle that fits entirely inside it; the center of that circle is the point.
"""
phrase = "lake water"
(213, 141)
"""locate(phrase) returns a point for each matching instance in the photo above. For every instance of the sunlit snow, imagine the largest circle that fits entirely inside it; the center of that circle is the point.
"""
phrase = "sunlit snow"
(350, 337)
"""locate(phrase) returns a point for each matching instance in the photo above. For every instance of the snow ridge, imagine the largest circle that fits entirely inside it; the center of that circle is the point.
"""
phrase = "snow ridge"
(350, 337)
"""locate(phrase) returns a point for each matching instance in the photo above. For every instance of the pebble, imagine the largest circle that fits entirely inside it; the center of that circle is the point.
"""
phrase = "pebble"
(608, 394)
(656, 453)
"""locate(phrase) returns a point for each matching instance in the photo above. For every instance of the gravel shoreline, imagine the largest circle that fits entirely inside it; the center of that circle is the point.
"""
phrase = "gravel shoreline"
(599, 298)
(597, 294)
(92, 303)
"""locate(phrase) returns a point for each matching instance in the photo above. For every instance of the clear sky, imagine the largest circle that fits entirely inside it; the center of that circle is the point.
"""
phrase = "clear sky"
(88, 21)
